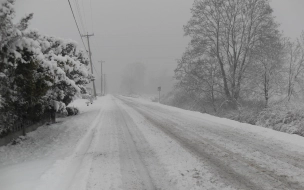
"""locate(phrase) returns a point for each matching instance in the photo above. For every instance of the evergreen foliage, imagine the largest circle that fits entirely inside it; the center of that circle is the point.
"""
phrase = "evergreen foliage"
(38, 74)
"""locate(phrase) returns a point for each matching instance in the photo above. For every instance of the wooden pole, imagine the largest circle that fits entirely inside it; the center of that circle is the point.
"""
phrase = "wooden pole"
(90, 56)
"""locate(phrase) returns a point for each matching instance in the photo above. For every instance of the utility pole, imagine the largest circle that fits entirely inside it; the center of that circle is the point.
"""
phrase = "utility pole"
(90, 55)
(101, 89)
(105, 86)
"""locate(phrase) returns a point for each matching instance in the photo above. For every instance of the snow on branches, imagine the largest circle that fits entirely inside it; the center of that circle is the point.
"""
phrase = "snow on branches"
(36, 70)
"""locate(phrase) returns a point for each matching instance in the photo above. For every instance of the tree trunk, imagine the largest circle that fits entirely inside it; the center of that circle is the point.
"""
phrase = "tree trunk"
(266, 93)
(23, 129)
(232, 104)
(53, 116)
(213, 99)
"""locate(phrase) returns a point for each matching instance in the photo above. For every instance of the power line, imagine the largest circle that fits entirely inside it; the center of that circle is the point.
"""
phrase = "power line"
(85, 19)
(95, 70)
(91, 15)
(77, 27)
(81, 22)
(90, 56)
(84, 29)
(79, 15)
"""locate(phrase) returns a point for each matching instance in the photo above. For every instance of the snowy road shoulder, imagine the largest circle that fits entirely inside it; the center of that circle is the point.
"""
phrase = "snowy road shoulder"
(293, 141)
(23, 165)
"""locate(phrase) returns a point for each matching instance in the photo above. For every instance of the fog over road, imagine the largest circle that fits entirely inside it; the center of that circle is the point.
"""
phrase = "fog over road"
(135, 144)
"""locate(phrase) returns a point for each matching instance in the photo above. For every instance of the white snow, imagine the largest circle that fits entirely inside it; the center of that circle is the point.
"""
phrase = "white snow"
(46, 150)
(93, 150)
(290, 139)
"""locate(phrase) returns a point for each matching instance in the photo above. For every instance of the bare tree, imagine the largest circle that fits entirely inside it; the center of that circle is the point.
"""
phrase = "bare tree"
(200, 75)
(228, 31)
(295, 65)
(267, 71)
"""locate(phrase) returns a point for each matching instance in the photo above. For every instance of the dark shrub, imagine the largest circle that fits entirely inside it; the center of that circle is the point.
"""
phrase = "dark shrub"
(76, 111)
(72, 111)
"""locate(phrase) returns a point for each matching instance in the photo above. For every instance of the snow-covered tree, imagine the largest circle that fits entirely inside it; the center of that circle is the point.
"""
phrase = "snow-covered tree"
(11, 41)
(71, 72)
(228, 31)
(200, 75)
(38, 73)
(267, 73)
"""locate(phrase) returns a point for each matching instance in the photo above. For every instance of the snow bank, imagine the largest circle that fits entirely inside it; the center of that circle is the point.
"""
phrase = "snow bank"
(289, 139)
(24, 164)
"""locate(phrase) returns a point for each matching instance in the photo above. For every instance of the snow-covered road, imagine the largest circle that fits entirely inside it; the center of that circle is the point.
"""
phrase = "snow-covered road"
(127, 143)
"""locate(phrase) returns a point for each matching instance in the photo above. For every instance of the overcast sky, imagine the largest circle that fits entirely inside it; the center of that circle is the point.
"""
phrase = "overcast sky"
(128, 31)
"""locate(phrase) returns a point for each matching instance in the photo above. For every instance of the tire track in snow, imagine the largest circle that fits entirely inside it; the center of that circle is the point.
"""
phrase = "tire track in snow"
(63, 175)
(271, 157)
(211, 152)
(135, 174)
(181, 170)
(140, 134)
(288, 156)
(195, 148)
(105, 167)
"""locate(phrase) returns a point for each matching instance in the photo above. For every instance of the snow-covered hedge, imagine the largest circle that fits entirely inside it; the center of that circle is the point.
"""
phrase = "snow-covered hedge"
(38, 73)
(287, 118)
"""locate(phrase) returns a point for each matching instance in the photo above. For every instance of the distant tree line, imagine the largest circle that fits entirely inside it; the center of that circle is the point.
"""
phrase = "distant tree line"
(237, 53)
(38, 74)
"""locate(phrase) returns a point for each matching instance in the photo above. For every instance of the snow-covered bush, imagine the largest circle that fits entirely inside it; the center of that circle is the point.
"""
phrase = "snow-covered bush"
(85, 96)
(244, 115)
(287, 118)
(76, 111)
(72, 111)
(38, 73)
